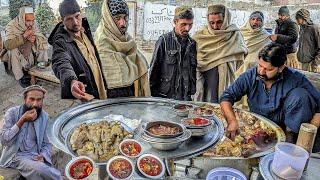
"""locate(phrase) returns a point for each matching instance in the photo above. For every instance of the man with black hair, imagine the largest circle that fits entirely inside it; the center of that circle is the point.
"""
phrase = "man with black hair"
(286, 34)
(274, 91)
(75, 59)
(173, 66)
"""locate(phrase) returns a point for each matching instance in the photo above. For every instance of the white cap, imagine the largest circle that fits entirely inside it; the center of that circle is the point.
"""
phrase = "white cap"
(28, 10)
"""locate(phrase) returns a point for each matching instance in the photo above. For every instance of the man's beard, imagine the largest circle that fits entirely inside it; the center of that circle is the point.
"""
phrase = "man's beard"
(74, 29)
(255, 26)
(28, 108)
(123, 29)
(266, 78)
(185, 33)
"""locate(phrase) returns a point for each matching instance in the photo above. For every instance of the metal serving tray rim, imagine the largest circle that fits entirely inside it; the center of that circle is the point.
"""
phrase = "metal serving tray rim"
(62, 119)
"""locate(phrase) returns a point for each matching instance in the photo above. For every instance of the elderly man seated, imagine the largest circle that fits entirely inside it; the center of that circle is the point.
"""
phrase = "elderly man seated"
(23, 136)
(24, 44)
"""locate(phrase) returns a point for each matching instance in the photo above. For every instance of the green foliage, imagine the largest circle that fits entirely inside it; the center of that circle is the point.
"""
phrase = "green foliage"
(93, 13)
(45, 18)
(15, 5)
(4, 20)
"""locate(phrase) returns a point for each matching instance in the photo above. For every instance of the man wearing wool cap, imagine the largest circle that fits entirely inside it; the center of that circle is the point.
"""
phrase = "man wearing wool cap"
(26, 146)
(124, 67)
(255, 37)
(309, 42)
(220, 51)
(286, 34)
(75, 59)
(173, 66)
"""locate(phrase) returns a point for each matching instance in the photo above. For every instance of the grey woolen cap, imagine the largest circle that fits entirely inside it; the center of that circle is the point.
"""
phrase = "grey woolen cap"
(68, 7)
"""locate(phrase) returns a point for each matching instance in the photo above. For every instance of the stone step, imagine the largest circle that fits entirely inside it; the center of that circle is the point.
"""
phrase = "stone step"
(59, 160)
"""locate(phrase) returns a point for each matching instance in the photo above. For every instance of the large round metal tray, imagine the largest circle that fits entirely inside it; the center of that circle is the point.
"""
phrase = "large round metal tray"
(146, 109)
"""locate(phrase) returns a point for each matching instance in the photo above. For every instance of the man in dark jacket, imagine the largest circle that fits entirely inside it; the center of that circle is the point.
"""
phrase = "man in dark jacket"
(173, 66)
(309, 42)
(75, 58)
(286, 34)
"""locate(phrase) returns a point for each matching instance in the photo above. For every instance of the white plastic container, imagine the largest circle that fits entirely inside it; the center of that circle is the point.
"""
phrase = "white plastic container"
(225, 173)
(289, 160)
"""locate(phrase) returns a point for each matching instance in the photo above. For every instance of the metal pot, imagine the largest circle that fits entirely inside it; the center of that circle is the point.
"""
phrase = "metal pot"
(167, 144)
(198, 131)
(148, 125)
(184, 112)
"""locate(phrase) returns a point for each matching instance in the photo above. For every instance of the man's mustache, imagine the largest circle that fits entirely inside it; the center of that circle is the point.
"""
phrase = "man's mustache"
(263, 77)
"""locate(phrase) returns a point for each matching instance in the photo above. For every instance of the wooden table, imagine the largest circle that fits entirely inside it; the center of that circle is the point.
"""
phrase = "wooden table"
(43, 74)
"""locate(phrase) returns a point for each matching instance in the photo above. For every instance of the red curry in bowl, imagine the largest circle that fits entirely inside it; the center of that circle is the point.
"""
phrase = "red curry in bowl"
(196, 122)
(150, 166)
(120, 168)
(81, 169)
(130, 148)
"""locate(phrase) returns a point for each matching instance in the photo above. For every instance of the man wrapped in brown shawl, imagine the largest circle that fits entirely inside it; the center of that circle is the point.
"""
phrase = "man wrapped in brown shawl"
(220, 51)
(124, 66)
(22, 41)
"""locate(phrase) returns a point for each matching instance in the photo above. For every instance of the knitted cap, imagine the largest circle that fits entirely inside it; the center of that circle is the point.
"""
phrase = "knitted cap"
(34, 87)
(181, 10)
(284, 10)
(257, 14)
(304, 14)
(214, 9)
(68, 7)
(118, 7)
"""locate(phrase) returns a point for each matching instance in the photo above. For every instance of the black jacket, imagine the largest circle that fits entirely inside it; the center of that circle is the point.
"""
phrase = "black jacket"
(287, 32)
(173, 74)
(68, 63)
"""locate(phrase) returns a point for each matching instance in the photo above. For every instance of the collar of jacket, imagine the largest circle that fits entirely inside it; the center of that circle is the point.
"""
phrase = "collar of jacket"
(174, 36)
(283, 22)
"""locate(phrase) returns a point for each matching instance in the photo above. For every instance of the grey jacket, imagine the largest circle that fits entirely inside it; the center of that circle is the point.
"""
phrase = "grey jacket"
(11, 145)
(309, 44)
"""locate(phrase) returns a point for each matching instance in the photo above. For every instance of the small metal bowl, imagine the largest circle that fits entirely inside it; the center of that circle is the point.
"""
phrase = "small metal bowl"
(164, 123)
(182, 110)
(209, 114)
(170, 145)
(200, 129)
